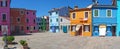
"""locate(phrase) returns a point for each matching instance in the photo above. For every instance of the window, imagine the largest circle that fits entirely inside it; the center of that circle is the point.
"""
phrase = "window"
(61, 20)
(27, 12)
(27, 28)
(4, 3)
(73, 15)
(0, 27)
(27, 20)
(1, 3)
(73, 27)
(18, 19)
(96, 13)
(34, 20)
(86, 14)
(3, 17)
(21, 12)
(33, 13)
(109, 13)
(50, 20)
(56, 12)
(56, 19)
(34, 27)
(86, 28)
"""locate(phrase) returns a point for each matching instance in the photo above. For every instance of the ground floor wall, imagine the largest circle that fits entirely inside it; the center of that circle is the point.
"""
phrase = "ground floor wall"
(4, 29)
(54, 29)
(81, 29)
(104, 30)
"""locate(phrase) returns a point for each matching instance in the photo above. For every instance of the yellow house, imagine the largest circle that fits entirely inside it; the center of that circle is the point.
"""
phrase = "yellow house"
(81, 22)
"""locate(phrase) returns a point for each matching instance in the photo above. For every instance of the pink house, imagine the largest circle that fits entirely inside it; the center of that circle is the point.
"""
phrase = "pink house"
(4, 17)
(31, 21)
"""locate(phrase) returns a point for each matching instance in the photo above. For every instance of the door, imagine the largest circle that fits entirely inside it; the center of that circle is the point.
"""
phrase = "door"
(53, 29)
(113, 30)
(65, 29)
(5, 29)
(102, 30)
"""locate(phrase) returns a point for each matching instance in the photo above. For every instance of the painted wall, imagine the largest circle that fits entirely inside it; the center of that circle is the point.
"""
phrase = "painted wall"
(118, 18)
(64, 22)
(18, 27)
(32, 17)
(102, 19)
(5, 10)
(79, 20)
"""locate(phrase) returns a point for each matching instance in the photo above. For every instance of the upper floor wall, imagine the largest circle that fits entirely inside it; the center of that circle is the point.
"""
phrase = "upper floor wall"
(104, 15)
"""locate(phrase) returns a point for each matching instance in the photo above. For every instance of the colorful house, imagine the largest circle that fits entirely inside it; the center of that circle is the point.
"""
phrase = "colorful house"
(45, 23)
(31, 21)
(104, 19)
(81, 21)
(64, 24)
(5, 15)
(54, 22)
(118, 18)
(18, 21)
(39, 21)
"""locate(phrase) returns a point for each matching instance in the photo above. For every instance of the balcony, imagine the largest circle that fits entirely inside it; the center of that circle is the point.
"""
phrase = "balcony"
(83, 19)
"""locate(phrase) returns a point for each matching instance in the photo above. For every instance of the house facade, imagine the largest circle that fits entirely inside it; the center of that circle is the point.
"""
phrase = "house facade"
(4, 17)
(31, 21)
(54, 22)
(80, 22)
(64, 24)
(118, 18)
(18, 22)
(104, 20)
(39, 21)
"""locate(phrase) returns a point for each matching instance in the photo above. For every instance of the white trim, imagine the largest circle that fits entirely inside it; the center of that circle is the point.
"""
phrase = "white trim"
(106, 13)
(94, 12)
(75, 15)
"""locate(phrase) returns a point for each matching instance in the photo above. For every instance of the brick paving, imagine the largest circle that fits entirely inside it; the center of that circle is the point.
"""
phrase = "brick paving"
(64, 41)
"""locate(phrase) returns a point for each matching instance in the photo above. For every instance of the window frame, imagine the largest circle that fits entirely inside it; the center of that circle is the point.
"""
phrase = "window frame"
(85, 28)
(107, 13)
(98, 12)
(85, 14)
(74, 15)
(5, 17)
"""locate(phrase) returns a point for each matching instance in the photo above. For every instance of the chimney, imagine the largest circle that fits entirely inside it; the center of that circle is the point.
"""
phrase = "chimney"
(114, 3)
(95, 2)
(75, 7)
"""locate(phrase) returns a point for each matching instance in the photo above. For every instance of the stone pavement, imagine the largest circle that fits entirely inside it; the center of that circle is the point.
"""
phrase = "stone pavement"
(64, 41)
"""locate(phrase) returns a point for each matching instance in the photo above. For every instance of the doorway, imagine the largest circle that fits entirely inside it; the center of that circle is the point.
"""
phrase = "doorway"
(4, 29)
(102, 30)
(80, 31)
(113, 30)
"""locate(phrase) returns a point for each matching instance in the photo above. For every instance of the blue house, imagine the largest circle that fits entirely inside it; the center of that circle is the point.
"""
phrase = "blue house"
(54, 14)
(38, 21)
(118, 18)
(104, 19)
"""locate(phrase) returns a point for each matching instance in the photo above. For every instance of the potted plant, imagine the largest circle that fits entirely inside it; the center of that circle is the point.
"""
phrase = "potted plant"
(9, 39)
(24, 44)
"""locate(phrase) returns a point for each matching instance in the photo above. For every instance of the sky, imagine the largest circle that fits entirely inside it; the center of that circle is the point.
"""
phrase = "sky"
(43, 6)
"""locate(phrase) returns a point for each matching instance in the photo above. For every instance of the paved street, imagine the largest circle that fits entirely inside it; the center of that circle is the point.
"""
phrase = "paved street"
(64, 41)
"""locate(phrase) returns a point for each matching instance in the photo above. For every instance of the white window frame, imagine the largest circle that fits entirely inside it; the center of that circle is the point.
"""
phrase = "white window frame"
(88, 14)
(88, 27)
(94, 12)
(75, 15)
(4, 3)
(107, 14)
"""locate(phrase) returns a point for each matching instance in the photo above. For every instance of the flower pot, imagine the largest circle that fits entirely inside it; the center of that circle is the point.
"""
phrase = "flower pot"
(25, 47)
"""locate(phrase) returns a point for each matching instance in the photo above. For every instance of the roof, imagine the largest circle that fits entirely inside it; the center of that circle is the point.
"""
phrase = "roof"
(104, 6)
(68, 18)
(82, 9)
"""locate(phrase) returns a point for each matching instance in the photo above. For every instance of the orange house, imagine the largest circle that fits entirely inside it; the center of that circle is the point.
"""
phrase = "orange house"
(81, 22)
